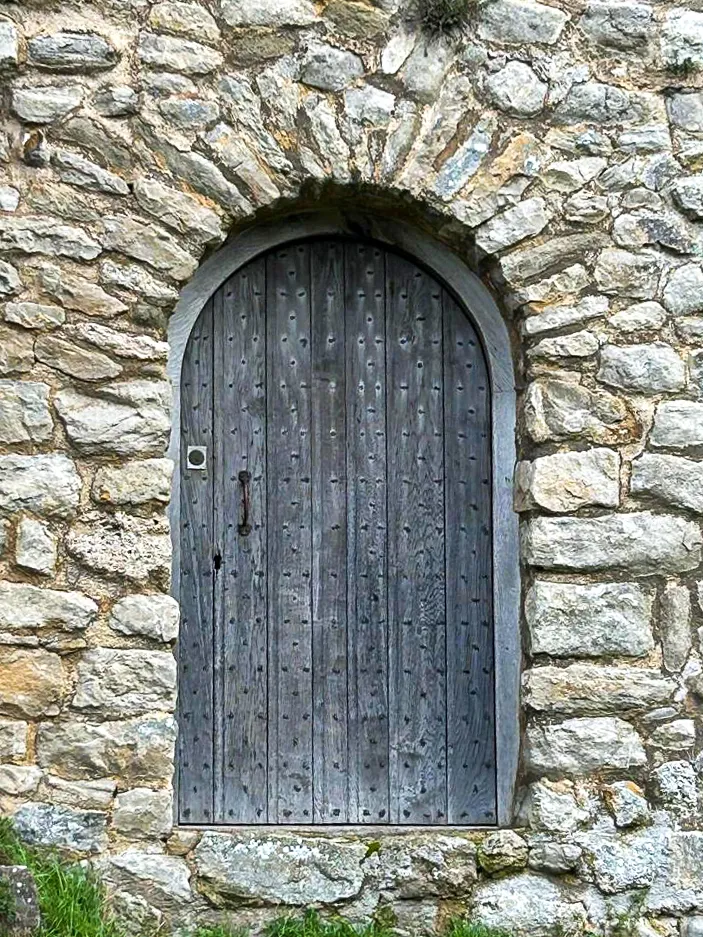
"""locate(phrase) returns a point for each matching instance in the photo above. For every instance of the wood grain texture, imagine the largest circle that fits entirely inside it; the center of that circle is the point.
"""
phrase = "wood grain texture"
(195, 646)
(289, 535)
(367, 538)
(416, 545)
(471, 770)
(240, 599)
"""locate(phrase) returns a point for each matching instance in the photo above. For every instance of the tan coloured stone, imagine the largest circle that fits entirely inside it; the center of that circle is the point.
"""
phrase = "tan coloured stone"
(13, 740)
(595, 690)
(64, 355)
(114, 682)
(80, 294)
(32, 683)
(568, 480)
(16, 351)
(120, 545)
(134, 482)
(143, 814)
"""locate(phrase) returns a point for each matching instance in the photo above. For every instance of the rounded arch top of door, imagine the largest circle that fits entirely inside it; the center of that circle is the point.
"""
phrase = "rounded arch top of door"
(346, 560)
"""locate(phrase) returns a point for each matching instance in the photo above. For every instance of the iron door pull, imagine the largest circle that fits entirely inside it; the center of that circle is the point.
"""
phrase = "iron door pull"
(245, 527)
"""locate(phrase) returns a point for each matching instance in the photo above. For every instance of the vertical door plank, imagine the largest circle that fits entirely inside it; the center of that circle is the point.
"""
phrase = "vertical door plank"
(329, 525)
(195, 646)
(471, 767)
(289, 535)
(416, 545)
(367, 537)
(240, 446)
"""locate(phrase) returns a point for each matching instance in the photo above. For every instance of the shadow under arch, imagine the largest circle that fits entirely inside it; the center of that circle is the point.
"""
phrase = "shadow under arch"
(477, 302)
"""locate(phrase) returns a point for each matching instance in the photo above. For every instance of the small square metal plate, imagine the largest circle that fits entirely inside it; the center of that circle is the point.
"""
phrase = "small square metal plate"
(196, 457)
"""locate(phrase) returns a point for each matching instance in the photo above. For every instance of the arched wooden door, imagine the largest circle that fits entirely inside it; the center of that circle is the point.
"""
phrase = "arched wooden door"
(336, 651)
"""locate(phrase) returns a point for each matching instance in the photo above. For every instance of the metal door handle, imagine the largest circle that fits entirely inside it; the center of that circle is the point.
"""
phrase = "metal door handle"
(245, 527)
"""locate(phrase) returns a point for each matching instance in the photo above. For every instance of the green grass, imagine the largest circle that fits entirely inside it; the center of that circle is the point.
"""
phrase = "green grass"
(7, 905)
(462, 928)
(312, 925)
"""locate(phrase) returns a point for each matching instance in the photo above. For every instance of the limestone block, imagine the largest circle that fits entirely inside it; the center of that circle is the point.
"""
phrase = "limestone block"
(128, 419)
(36, 235)
(32, 683)
(679, 735)
(86, 795)
(623, 863)
(143, 814)
(26, 916)
(503, 851)
(120, 344)
(123, 546)
(163, 879)
(676, 790)
(77, 170)
(554, 858)
(137, 280)
(42, 105)
(561, 316)
(34, 315)
(78, 831)
(48, 485)
(369, 105)
(190, 114)
(678, 424)
(274, 13)
(80, 294)
(569, 175)
(149, 243)
(579, 747)
(592, 689)
(516, 22)
(528, 905)
(9, 45)
(618, 25)
(425, 68)
(685, 111)
(329, 68)
(639, 317)
(125, 682)
(556, 409)
(683, 293)
(278, 868)
(116, 101)
(229, 148)
(639, 229)
(168, 53)
(643, 543)
(16, 351)
(552, 807)
(514, 225)
(688, 195)
(65, 356)
(422, 865)
(567, 481)
(568, 619)
(189, 19)
(530, 262)
(24, 412)
(624, 273)
(516, 90)
(13, 740)
(179, 211)
(138, 751)
(134, 482)
(646, 369)
(626, 802)
(71, 52)
(153, 616)
(682, 38)
(10, 282)
(35, 547)
(593, 102)
(17, 780)
(669, 478)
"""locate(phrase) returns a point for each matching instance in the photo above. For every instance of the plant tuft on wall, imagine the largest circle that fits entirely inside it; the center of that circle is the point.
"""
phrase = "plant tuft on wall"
(443, 17)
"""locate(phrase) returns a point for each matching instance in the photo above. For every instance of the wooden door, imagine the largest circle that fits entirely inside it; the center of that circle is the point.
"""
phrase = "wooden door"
(336, 651)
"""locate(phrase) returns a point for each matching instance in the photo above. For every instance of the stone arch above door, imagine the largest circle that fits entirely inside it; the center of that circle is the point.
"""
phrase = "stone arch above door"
(482, 311)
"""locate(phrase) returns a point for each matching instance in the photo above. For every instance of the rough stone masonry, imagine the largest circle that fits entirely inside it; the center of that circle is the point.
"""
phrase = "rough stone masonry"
(556, 146)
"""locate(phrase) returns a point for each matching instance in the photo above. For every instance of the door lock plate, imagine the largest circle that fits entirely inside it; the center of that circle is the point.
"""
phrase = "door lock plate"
(196, 457)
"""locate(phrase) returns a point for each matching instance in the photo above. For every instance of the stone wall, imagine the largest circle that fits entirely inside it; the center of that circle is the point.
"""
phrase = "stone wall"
(556, 147)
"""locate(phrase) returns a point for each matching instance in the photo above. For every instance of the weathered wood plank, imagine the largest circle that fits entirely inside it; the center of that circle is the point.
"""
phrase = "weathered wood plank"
(240, 446)
(289, 535)
(471, 766)
(329, 526)
(367, 537)
(416, 545)
(195, 646)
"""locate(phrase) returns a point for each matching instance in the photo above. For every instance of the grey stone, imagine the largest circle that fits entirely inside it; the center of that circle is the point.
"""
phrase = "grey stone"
(120, 344)
(690, 329)
(567, 481)
(516, 89)
(620, 863)
(641, 229)
(35, 235)
(78, 831)
(593, 102)
(190, 19)
(278, 868)
(423, 865)
(568, 619)
(13, 740)
(683, 293)
(678, 424)
(686, 111)
(669, 478)
(679, 735)
(556, 409)
(676, 789)
(580, 747)
(179, 211)
(134, 482)
(586, 208)
(33, 683)
(42, 105)
(639, 317)
(17, 780)
(138, 751)
(553, 807)
(426, 66)
(688, 195)
(125, 682)
(65, 356)
(35, 547)
(692, 926)
(581, 344)
(149, 243)
(179, 55)
(595, 690)
(26, 914)
(122, 545)
(676, 626)
(682, 38)
(618, 25)
(132, 420)
(87, 795)
(528, 905)
(9, 45)
(153, 616)
(369, 105)
(71, 52)
(77, 170)
(643, 543)
(116, 101)
(34, 315)
(514, 225)
(44, 484)
(554, 858)
(143, 814)
(329, 68)
(228, 146)
(522, 265)
(190, 114)
(503, 851)
(138, 281)
(162, 879)
(274, 13)
(520, 21)
(627, 803)
(24, 412)
(560, 316)
(80, 294)
(10, 282)
(105, 146)
(623, 273)
(570, 175)
(465, 163)
(25, 608)
(644, 369)
(16, 351)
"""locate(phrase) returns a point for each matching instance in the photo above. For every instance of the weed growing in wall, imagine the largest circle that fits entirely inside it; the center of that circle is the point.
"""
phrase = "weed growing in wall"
(443, 17)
